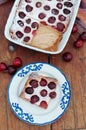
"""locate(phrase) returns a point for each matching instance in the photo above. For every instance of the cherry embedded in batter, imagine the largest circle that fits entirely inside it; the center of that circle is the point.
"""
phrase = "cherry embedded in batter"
(68, 4)
(61, 17)
(34, 25)
(29, 90)
(26, 39)
(42, 15)
(27, 29)
(51, 19)
(60, 27)
(55, 11)
(20, 23)
(29, 8)
(22, 14)
(19, 34)
(52, 85)
(59, 5)
(43, 92)
(47, 7)
(28, 1)
(43, 82)
(38, 4)
(66, 11)
(28, 21)
(52, 94)
(34, 83)
(34, 99)
(43, 104)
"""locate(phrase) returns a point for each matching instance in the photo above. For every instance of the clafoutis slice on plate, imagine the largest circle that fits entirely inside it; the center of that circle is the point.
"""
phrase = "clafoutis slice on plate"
(39, 90)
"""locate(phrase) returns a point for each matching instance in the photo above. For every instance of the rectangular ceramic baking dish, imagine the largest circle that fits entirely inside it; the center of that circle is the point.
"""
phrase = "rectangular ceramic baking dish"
(62, 43)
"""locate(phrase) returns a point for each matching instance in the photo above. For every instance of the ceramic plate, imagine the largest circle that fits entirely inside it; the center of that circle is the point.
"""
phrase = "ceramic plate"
(62, 43)
(31, 113)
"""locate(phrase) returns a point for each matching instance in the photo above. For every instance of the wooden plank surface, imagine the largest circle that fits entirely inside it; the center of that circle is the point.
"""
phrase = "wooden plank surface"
(75, 117)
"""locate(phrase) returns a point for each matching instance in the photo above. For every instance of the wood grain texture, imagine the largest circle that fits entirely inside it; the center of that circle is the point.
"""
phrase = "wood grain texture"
(75, 117)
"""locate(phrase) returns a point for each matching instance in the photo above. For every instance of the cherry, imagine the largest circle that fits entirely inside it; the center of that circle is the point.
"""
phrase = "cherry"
(68, 4)
(59, 5)
(42, 15)
(78, 43)
(60, 26)
(52, 94)
(29, 8)
(20, 23)
(34, 83)
(66, 11)
(43, 104)
(54, 11)
(27, 29)
(3, 66)
(11, 69)
(74, 29)
(83, 36)
(46, 7)
(34, 25)
(19, 34)
(26, 39)
(43, 82)
(43, 92)
(51, 19)
(62, 17)
(52, 85)
(17, 62)
(67, 56)
(29, 90)
(34, 99)
(22, 15)
(28, 21)
(38, 4)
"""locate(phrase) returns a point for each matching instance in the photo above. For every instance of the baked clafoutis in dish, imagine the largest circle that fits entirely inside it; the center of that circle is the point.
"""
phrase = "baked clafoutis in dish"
(41, 23)
(39, 90)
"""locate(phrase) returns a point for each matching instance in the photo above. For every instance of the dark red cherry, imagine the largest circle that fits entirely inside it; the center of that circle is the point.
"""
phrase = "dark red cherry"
(34, 25)
(28, 21)
(38, 4)
(83, 36)
(59, 5)
(34, 83)
(29, 8)
(3, 66)
(34, 99)
(54, 11)
(27, 29)
(42, 15)
(78, 43)
(43, 104)
(43, 82)
(68, 4)
(20, 23)
(47, 7)
(17, 62)
(60, 26)
(66, 11)
(19, 34)
(52, 85)
(22, 15)
(67, 56)
(52, 94)
(74, 29)
(12, 69)
(26, 39)
(29, 90)
(43, 92)
(51, 19)
(62, 17)
(28, 1)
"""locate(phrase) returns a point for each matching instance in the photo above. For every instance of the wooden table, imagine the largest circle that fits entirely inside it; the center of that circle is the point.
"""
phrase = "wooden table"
(75, 117)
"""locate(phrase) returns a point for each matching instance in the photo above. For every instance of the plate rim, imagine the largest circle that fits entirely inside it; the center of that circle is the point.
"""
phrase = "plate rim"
(48, 122)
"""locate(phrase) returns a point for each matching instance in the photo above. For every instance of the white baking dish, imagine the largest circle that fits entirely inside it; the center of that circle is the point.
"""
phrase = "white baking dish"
(62, 43)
